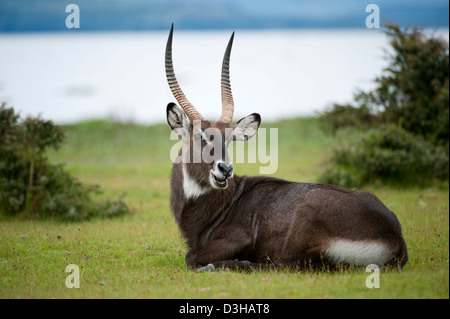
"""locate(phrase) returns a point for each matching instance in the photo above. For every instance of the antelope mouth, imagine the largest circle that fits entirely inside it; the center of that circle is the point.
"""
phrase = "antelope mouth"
(218, 183)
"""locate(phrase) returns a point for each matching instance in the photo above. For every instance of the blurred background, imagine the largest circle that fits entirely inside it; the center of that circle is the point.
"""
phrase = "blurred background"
(290, 58)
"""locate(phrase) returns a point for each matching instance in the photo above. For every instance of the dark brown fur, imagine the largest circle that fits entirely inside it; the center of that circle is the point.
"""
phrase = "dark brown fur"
(264, 219)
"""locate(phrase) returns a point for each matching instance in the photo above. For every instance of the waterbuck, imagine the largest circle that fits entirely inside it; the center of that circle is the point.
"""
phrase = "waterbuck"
(261, 222)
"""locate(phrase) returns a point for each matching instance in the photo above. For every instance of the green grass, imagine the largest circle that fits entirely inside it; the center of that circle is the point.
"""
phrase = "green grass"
(142, 255)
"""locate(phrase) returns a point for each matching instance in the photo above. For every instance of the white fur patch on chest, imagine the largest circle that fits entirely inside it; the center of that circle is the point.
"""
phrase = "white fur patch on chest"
(192, 189)
(358, 252)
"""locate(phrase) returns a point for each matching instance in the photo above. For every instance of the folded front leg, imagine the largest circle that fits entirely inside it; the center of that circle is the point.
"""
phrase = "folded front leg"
(218, 250)
(240, 265)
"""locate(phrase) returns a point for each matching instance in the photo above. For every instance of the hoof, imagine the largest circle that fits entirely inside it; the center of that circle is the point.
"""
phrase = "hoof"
(209, 267)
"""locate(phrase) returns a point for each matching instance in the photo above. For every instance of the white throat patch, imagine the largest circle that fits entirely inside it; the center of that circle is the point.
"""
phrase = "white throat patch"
(192, 189)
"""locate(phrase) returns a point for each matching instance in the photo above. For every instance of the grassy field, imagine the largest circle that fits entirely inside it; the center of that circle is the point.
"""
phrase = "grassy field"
(142, 255)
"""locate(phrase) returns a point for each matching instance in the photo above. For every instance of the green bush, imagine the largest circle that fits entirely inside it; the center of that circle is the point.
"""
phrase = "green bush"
(343, 116)
(32, 187)
(413, 91)
(403, 122)
(390, 155)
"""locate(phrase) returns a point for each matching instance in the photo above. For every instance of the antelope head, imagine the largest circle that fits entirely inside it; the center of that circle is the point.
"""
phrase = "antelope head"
(204, 156)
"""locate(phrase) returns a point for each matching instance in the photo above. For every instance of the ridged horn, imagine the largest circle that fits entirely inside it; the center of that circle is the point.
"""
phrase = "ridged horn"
(188, 108)
(227, 95)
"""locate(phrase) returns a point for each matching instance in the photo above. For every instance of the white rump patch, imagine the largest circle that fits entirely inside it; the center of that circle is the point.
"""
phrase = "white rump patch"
(191, 188)
(358, 252)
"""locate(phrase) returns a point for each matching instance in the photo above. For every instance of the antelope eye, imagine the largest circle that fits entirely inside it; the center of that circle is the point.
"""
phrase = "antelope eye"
(200, 137)
(206, 139)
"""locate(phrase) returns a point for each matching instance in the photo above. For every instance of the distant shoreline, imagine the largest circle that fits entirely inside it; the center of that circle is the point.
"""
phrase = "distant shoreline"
(70, 77)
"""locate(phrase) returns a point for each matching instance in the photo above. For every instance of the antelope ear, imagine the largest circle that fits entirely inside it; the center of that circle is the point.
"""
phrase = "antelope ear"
(246, 127)
(178, 121)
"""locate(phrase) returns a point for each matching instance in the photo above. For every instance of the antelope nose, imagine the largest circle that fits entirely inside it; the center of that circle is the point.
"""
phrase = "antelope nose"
(225, 169)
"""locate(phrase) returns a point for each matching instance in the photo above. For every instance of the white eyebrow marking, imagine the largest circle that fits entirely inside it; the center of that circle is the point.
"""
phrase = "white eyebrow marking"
(204, 135)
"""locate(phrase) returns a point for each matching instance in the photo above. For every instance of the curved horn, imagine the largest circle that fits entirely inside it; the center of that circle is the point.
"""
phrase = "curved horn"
(190, 110)
(227, 95)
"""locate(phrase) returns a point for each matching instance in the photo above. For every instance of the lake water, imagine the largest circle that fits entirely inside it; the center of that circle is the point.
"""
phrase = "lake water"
(67, 77)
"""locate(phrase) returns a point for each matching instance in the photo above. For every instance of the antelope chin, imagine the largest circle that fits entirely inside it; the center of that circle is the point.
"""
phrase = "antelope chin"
(216, 182)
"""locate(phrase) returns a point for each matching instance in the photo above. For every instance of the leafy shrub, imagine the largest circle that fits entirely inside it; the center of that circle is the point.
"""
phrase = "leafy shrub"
(404, 121)
(388, 154)
(32, 187)
(343, 116)
(413, 91)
